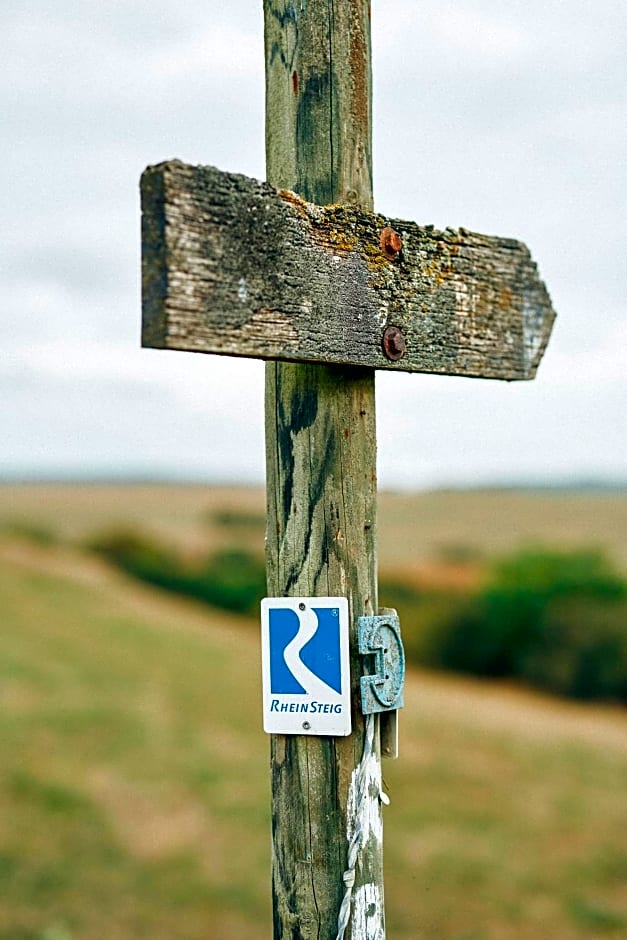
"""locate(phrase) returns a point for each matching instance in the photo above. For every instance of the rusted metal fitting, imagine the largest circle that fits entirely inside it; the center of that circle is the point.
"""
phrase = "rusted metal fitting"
(391, 243)
(394, 345)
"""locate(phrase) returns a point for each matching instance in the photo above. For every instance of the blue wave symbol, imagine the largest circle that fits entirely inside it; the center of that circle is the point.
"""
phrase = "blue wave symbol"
(305, 651)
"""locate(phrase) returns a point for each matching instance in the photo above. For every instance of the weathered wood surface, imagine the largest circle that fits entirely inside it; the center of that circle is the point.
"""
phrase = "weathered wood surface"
(321, 466)
(319, 100)
(233, 266)
(321, 541)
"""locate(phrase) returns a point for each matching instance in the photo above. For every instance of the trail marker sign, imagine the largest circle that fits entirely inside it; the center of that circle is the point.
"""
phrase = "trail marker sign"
(305, 665)
(268, 275)
(300, 271)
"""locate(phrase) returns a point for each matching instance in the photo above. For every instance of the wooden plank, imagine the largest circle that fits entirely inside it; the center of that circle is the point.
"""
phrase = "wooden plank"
(233, 266)
(321, 466)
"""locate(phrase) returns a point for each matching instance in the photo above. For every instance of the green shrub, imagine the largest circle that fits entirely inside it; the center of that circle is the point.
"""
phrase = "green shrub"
(581, 650)
(141, 556)
(237, 519)
(423, 615)
(231, 579)
(234, 579)
(28, 531)
(553, 618)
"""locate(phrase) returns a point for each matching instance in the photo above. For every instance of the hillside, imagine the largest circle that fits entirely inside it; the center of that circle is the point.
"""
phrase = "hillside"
(413, 528)
(134, 790)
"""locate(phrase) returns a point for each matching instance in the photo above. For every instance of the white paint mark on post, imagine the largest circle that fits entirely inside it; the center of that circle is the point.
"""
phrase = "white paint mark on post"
(370, 810)
(364, 826)
(242, 290)
(368, 912)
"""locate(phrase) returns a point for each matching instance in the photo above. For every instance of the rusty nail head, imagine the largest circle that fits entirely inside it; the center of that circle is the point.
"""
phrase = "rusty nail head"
(391, 242)
(394, 345)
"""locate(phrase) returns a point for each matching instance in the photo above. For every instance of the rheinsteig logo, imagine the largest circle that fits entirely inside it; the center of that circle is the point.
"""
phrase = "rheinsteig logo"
(306, 680)
(305, 650)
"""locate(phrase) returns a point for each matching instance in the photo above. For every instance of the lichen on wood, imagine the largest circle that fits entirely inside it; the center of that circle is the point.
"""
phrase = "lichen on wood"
(233, 266)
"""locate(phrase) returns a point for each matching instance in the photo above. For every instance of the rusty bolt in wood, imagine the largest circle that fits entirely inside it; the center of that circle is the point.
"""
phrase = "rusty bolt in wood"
(394, 345)
(391, 243)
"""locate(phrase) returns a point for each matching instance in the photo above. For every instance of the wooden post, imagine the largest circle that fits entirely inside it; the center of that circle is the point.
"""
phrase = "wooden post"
(238, 267)
(321, 465)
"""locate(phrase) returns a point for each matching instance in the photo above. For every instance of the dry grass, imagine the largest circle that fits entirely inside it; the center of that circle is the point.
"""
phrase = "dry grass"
(134, 789)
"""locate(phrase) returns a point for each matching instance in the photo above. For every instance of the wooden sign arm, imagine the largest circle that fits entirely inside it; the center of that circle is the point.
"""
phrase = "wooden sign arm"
(232, 266)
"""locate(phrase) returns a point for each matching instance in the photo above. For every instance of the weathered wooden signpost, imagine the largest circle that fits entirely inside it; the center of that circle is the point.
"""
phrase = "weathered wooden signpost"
(327, 295)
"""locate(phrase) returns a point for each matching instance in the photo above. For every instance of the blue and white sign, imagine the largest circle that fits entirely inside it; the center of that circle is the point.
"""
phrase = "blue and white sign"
(306, 669)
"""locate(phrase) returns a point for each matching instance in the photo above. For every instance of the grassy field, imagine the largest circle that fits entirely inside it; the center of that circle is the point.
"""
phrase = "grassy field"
(134, 786)
(414, 530)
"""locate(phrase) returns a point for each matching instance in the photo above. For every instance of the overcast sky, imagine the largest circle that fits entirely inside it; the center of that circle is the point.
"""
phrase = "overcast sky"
(508, 118)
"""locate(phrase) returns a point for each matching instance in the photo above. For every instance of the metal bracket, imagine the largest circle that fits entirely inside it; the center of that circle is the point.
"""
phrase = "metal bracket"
(382, 690)
(380, 640)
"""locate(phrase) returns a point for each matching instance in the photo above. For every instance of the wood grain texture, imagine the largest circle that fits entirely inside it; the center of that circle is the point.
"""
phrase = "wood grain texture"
(234, 266)
(321, 461)
(319, 99)
(321, 541)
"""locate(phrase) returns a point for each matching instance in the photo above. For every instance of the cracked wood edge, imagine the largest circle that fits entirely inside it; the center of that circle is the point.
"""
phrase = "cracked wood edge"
(232, 266)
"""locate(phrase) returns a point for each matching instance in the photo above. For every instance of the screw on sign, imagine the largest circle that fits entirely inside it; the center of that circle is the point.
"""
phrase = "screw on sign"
(304, 274)
(394, 344)
(391, 242)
